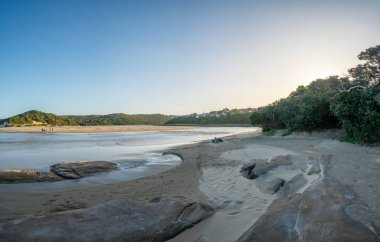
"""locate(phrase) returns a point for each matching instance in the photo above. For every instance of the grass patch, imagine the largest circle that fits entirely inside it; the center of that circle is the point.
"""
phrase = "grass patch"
(287, 132)
(270, 132)
(348, 139)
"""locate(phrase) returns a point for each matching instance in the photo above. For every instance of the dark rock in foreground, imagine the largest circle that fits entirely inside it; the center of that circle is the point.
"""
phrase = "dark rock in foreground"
(292, 186)
(316, 215)
(60, 171)
(24, 176)
(271, 186)
(278, 223)
(79, 169)
(120, 220)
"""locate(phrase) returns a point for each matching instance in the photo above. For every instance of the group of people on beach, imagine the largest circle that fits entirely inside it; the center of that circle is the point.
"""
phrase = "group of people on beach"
(47, 130)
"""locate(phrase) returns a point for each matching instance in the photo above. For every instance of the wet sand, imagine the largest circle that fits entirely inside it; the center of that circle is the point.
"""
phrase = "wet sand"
(93, 129)
(203, 176)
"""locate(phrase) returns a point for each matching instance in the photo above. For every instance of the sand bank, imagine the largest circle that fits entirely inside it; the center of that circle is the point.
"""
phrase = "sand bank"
(92, 129)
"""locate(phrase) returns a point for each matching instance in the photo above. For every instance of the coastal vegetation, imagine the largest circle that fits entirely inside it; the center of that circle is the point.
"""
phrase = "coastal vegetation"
(351, 102)
(34, 118)
(221, 117)
(121, 119)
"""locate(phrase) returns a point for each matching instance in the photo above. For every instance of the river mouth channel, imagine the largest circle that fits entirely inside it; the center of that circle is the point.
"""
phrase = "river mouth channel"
(137, 154)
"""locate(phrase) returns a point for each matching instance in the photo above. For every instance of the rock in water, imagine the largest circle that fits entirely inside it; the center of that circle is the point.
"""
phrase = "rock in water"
(119, 220)
(217, 140)
(271, 186)
(23, 176)
(315, 167)
(79, 169)
(292, 186)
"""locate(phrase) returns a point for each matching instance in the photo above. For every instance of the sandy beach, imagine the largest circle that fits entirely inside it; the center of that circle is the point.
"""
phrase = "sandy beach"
(92, 129)
(353, 169)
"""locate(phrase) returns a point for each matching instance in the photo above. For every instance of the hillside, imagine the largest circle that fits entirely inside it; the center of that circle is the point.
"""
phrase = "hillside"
(225, 116)
(36, 118)
(120, 119)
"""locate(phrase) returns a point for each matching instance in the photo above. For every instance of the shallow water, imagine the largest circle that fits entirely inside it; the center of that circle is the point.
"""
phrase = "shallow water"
(136, 153)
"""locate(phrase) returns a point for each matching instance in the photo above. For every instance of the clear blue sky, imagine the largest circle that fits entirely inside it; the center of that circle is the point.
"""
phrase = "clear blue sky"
(173, 57)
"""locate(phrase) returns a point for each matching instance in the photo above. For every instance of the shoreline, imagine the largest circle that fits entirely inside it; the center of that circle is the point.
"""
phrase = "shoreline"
(93, 129)
(184, 180)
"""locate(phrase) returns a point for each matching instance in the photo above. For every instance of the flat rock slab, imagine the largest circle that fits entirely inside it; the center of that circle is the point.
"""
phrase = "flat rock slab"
(119, 220)
(79, 169)
(316, 215)
(24, 176)
(271, 186)
(315, 167)
(281, 160)
(292, 186)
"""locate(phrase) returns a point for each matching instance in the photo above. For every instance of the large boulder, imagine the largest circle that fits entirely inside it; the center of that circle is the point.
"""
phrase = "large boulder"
(292, 186)
(119, 220)
(24, 176)
(247, 169)
(79, 169)
(281, 160)
(318, 214)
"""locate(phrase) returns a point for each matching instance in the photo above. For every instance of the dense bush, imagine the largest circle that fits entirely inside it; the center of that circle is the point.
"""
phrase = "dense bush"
(350, 102)
(121, 119)
(230, 118)
(35, 117)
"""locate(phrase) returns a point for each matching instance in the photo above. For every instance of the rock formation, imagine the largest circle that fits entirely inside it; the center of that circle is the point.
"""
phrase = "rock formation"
(119, 220)
(79, 169)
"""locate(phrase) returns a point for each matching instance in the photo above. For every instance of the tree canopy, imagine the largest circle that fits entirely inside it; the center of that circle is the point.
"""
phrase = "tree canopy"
(351, 102)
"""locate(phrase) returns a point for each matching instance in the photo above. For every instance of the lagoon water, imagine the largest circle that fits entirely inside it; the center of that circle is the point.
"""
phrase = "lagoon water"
(137, 153)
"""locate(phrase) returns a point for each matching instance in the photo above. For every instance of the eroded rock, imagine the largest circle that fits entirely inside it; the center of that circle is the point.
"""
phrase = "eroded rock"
(292, 186)
(79, 169)
(257, 167)
(271, 186)
(315, 167)
(318, 214)
(247, 170)
(120, 220)
(277, 224)
(281, 160)
(24, 176)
